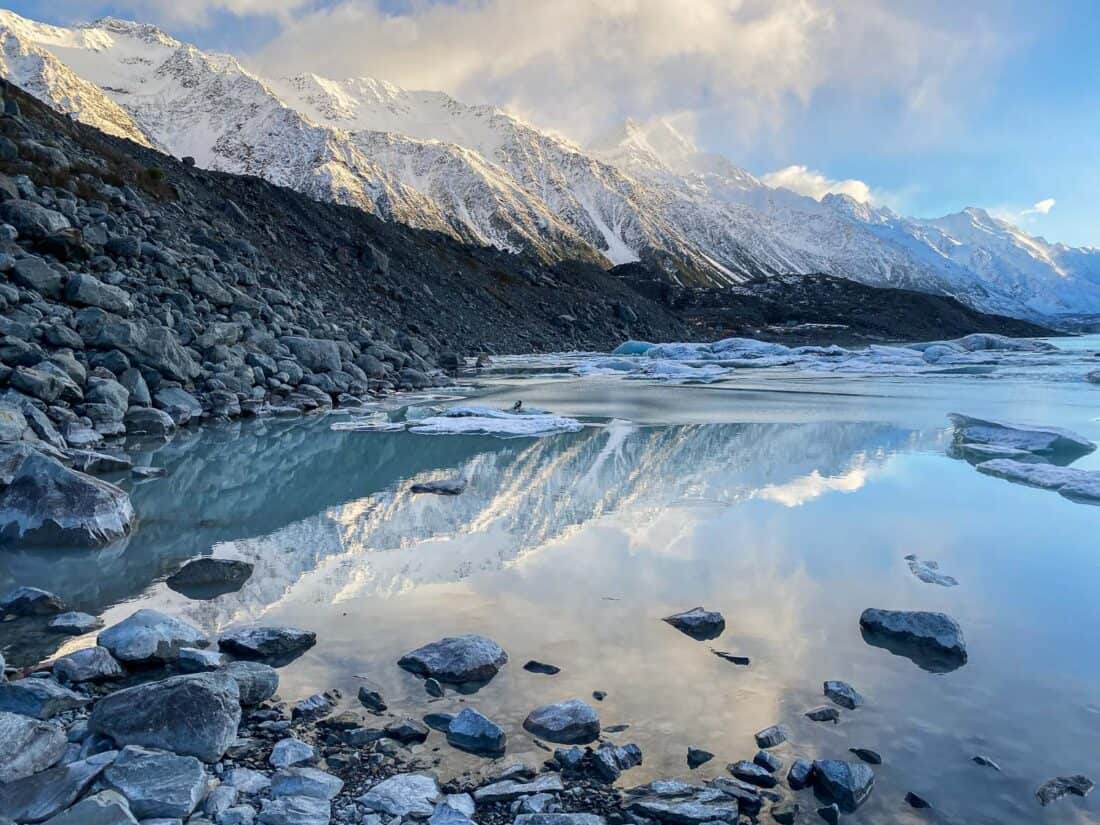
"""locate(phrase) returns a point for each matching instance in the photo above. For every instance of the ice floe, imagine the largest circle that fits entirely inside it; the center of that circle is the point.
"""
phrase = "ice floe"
(978, 436)
(466, 419)
(1079, 485)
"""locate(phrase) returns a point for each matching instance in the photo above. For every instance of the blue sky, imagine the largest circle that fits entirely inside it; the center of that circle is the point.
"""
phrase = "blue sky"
(929, 106)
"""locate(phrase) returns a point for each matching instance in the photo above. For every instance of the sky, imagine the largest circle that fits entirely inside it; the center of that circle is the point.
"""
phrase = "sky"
(925, 106)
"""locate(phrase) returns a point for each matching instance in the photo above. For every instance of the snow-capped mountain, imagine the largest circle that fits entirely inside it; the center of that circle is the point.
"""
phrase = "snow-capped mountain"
(480, 174)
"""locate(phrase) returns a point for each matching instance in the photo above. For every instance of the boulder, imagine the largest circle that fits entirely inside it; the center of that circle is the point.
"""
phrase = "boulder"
(509, 789)
(207, 578)
(572, 722)
(13, 423)
(289, 752)
(157, 784)
(267, 642)
(473, 732)
(932, 641)
(44, 502)
(371, 699)
(86, 290)
(753, 774)
(150, 636)
(30, 746)
(407, 731)
(38, 797)
(40, 698)
(179, 404)
(195, 715)
(457, 659)
(89, 664)
(257, 682)
(104, 808)
(801, 774)
(698, 623)
(31, 601)
(848, 784)
(74, 623)
(315, 354)
(34, 273)
(148, 421)
(406, 794)
(197, 660)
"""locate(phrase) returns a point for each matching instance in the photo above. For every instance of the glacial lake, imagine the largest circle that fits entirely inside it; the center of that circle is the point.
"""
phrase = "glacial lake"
(786, 498)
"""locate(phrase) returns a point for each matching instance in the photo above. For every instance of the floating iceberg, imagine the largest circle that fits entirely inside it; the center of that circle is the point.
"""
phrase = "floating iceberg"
(1079, 485)
(479, 420)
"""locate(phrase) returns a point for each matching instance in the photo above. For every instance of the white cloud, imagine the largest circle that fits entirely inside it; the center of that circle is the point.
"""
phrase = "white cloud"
(809, 182)
(1030, 214)
(1042, 207)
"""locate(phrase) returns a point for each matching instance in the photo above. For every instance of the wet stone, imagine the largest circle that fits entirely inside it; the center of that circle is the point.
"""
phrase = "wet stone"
(457, 659)
(567, 723)
(1054, 789)
(843, 694)
(40, 698)
(848, 784)
(770, 737)
(800, 774)
(823, 714)
(753, 774)
(699, 623)
(697, 757)
(535, 666)
(473, 732)
(768, 761)
(867, 755)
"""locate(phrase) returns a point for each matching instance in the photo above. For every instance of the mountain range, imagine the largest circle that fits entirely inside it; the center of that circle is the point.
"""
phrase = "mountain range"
(642, 193)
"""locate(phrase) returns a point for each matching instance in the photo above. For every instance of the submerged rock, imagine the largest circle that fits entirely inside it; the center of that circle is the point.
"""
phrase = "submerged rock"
(985, 762)
(867, 755)
(572, 722)
(408, 731)
(843, 694)
(752, 773)
(823, 714)
(1074, 484)
(457, 659)
(1054, 789)
(473, 732)
(932, 641)
(848, 784)
(698, 623)
(195, 715)
(267, 642)
(929, 572)
(44, 502)
(150, 636)
(371, 699)
(207, 578)
(534, 666)
(915, 801)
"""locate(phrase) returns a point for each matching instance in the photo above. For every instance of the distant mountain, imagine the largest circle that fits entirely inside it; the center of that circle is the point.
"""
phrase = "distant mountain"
(644, 193)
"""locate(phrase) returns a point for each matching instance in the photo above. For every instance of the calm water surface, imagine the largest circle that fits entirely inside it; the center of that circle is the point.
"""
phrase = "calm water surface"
(785, 500)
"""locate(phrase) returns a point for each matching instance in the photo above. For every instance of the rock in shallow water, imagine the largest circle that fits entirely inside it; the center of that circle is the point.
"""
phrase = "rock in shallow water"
(44, 502)
(267, 642)
(148, 636)
(848, 784)
(770, 737)
(843, 694)
(697, 757)
(572, 722)
(698, 623)
(473, 732)
(457, 659)
(1054, 789)
(207, 578)
(256, 681)
(932, 641)
(195, 715)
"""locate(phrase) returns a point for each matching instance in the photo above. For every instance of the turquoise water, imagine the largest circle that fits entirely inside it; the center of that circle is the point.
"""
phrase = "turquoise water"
(785, 499)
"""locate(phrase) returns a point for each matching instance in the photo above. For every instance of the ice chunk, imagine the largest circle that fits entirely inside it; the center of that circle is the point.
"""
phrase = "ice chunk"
(1047, 441)
(1079, 485)
(478, 420)
(632, 348)
(667, 370)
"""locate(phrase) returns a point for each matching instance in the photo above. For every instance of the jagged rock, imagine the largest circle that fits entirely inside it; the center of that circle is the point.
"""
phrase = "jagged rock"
(266, 642)
(89, 664)
(104, 808)
(32, 221)
(985, 762)
(74, 623)
(207, 577)
(38, 797)
(752, 773)
(371, 699)
(13, 423)
(44, 502)
(305, 782)
(289, 752)
(785, 813)
(473, 732)
(823, 714)
(770, 737)
(194, 715)
(685, 813)
(1054, 789)
(30, 746)
(830, 813)
(247, 781)
(40, 698)
(843, 694)
(408, 731)
(150, 636)
(256, 681)
(768, 761)
(932, 641)
(406, 794)
(457, 659)
(698, 623)
(35, 273)
(697, 757)
(313, 707)
(509, 789)
(572, 722)
(848, 784)
(31, 601)
(609, 761)
(800, 774)
(915, 801)
(314, 354)
(156, 784)
(87, 290)
(89, 461)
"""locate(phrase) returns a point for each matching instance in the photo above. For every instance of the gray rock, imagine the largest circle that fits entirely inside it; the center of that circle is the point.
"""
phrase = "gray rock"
(572, 722)
(40, 698)
(439, 721)
(289, 752)
(238, 815)
(295, 810)
(1054, 789)
(830, 813)
(697, 757)
(148, 421)
(256, 681)
(559, 819)
(684, 813)
(219, 800)
(770, 737)
(30, 746)
(89, 461)
(785, 813)
(104, 808)
(31, 601)
(801, 774)
(44, 502)
(89, 291)
(247, 781)
(371, 699)
(406, 794)
(314, 354)
(196, 660)
(150, 636)
(408, 731)
(179, 404)
(13, 423)
(473, 732)
(843, 694)
(89, 664)
(207, 577)
(32, 221)
(457, 659)
(609, 761)
(752, 773)
(848, 784)
(305, 782)
(823, 714)
(35, 273)
(134, 382)
(985, 762)
(157, 784)
(266, 642)
(195, 715)
(932, 641)
(509, 789)
(38, 797)
(915, 801)
(444, 814)
(768, 761)
(698, 623)
(74, 623)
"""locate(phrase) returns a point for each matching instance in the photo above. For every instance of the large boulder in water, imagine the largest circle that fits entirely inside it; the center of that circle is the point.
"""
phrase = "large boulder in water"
(44, 502)
(848, 784)
(278, 643)
(572, 722)
(149, 636)
(473, 732)
(207, 578)
(457, 659)
(932, 641)
(195, 715)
